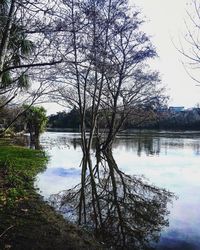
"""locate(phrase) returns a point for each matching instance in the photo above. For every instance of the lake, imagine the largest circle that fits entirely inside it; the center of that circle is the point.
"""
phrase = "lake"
(169, 160)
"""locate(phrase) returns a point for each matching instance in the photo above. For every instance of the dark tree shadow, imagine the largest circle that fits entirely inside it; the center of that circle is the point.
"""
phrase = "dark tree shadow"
(123, 211)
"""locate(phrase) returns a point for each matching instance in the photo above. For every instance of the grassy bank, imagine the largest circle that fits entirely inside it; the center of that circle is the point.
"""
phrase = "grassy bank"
(26, 221)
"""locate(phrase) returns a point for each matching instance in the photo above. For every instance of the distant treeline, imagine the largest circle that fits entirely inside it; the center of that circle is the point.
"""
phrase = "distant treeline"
(65, 120)
(184, 120)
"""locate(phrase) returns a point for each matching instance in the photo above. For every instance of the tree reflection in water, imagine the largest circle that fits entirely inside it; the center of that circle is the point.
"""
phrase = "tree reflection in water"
(123, 211)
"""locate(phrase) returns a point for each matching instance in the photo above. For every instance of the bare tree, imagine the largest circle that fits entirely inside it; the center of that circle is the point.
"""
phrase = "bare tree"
(107, 73)
(189, 47)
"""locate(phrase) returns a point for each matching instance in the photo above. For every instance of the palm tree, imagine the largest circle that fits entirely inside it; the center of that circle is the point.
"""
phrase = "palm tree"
(15, 48)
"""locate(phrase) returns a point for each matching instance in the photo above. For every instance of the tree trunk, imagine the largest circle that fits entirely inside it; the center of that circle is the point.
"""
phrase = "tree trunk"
(6, 36)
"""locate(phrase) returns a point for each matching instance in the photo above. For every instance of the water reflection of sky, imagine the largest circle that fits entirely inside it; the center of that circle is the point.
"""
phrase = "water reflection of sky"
(63, 169)
(166, 161)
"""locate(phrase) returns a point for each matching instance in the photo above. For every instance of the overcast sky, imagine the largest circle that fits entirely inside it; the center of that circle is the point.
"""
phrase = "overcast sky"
(164, 23)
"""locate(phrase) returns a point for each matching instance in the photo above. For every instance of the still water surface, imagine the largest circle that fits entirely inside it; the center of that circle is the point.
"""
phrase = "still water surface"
(167, 160)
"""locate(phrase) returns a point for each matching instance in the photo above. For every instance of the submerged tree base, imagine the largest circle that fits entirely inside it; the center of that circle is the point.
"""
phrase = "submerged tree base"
(26, 221)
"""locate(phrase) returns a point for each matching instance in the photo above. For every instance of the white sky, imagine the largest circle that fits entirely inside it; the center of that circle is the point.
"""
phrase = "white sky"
(165, 22)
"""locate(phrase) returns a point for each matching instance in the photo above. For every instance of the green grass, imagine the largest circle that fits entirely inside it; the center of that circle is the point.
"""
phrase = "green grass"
(21, 155)
(23, 159)
(18, 168)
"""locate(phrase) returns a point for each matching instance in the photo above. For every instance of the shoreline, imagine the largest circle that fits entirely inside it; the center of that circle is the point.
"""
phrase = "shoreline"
(27, 221)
